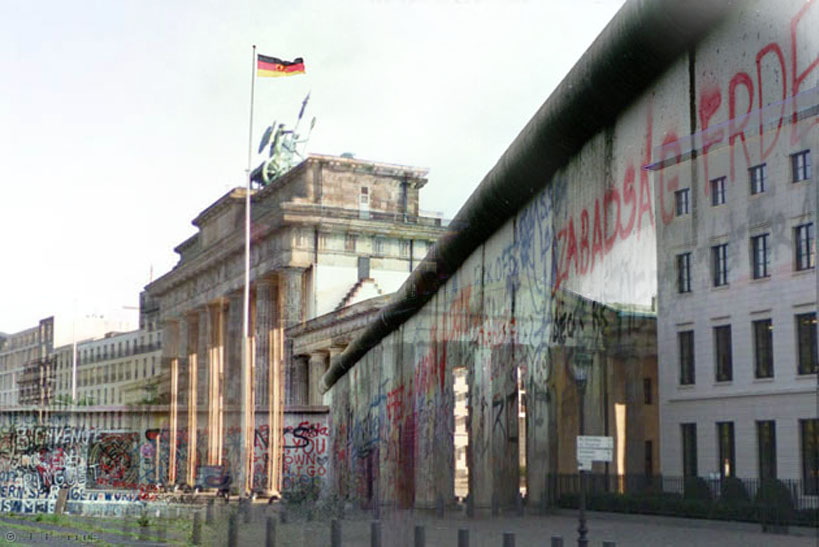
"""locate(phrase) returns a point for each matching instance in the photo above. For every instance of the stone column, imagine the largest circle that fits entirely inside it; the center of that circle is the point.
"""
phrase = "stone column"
(170, 350)
(298, 371)
(192, 343)
(215, 335)
(264, 379)
(290, 286)
(317, 368)
(203, 384)
(233, 388)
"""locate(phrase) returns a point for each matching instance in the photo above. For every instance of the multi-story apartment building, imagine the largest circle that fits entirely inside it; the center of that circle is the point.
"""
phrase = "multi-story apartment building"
(737, 279)
(116, 376)
(25, 365)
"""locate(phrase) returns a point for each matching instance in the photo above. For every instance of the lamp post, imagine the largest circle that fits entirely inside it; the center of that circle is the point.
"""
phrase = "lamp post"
(581, 365)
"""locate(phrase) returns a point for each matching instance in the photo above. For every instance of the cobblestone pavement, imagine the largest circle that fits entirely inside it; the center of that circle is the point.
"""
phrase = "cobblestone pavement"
(398, 529)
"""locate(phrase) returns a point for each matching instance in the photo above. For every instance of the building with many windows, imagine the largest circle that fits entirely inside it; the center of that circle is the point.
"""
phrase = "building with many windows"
(737, 288)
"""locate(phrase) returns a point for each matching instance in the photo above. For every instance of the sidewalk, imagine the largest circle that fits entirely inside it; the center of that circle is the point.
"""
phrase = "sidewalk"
(397, 529)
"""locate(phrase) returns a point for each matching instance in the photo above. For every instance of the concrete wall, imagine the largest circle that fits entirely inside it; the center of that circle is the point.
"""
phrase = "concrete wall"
(573, 272)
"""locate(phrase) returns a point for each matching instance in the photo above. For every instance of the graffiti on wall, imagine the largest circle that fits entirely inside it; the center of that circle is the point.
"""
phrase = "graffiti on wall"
(306, 453)
(113, 461)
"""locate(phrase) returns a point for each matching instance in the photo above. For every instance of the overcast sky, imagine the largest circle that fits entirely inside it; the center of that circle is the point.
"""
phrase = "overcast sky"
(121, 120)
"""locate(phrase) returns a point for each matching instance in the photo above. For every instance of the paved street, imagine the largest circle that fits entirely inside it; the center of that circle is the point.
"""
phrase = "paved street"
(398, 530)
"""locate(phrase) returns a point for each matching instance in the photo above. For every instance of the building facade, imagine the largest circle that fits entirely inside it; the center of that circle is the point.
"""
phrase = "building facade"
(330, 229)
(736, 257)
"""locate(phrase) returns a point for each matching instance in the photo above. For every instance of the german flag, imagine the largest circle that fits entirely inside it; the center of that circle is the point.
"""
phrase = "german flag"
(273, 67)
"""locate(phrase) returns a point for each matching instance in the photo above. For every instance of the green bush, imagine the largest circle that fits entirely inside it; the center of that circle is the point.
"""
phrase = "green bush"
(732, 492)
(774, 493)
(695, 488)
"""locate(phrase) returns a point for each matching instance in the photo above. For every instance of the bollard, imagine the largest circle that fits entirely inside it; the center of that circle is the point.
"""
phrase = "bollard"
(209, 513)
(248, 511)
(439, 507)
(270, 536)
(470, 506)
(463, 537)
(375, 533)
(495, 505)
(420, 536)
(335, 533)
(519, 504)
(609, 544)
(508, 539)
(233, 531)
(197, 528)
(557, 541)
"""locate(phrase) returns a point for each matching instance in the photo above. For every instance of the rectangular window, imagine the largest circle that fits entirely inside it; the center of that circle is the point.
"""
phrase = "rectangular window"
(404, 248)
(681, 200)
(757, 177)
(722, 353)
(686, 340)
(648, 396)
(800, 163)
(725, 443)
(689, 449)
(760, 256)
(649, 458)
(803, 239)
(349, 243)
(763, 348)
(379, 246)
(718, 191)
(809, 430)
(806, 340)
(719, 264)
(766, 443)
(684, 272)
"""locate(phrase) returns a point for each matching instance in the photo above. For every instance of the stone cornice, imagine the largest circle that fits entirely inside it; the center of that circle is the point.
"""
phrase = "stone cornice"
(234, 196)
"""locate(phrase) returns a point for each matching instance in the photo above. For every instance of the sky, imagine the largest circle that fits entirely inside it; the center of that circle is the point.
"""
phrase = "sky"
(121, 120)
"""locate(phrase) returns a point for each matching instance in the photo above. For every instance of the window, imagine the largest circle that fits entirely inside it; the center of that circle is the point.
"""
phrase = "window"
(686, 340)
(349, 242)
(760, 256)
(763, 348)
(803, 239)
(689, 449)
(757, 177)
(649, 458)
(719, 259)
(766, 444)
(379, 246)
(684, 272)
(648, 397)
(800, 163)
(725, 440)
(722, 347)
(718, 191)
(806, 340)
(322, 241)
(404, 248)
(681, 201)
(809, 430)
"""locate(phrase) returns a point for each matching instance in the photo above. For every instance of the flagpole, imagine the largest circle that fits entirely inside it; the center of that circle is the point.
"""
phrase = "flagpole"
(246, 419)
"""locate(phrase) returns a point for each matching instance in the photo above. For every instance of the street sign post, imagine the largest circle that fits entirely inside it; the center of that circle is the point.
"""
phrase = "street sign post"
(591, 448)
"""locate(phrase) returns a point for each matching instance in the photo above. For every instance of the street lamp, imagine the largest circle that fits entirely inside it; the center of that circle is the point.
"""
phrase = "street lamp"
(581, 365)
